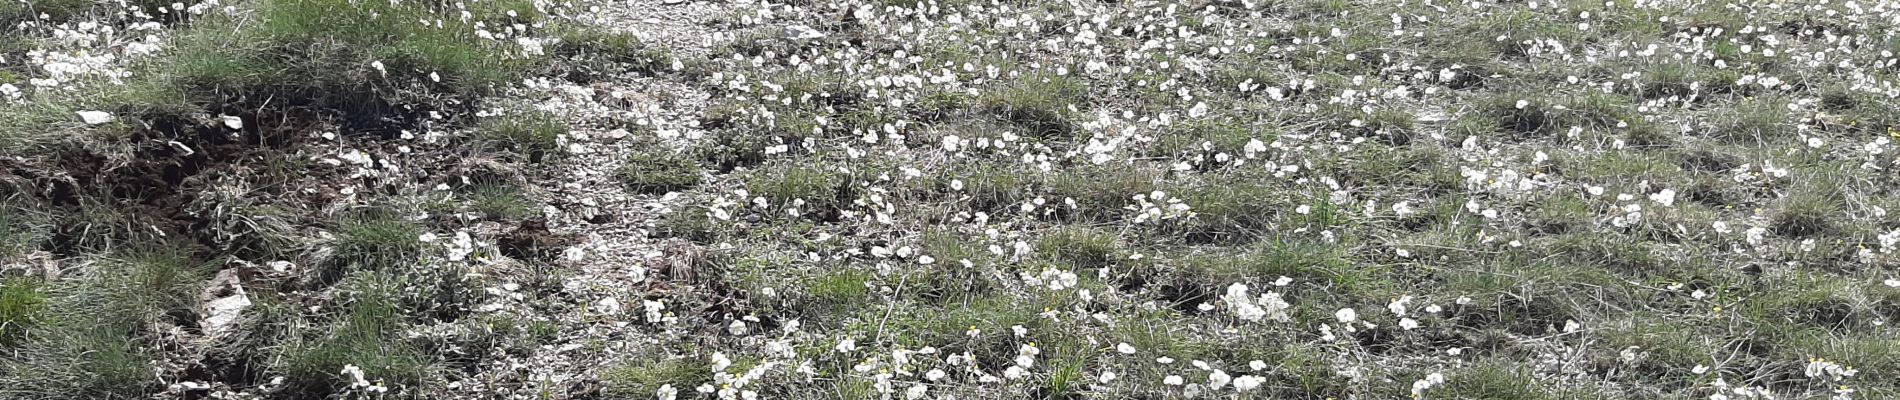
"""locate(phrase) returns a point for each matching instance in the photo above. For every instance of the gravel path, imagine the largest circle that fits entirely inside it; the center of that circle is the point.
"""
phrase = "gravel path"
(603, 275)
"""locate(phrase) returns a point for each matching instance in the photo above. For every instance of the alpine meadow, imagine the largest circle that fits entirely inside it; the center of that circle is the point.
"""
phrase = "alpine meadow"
(949, 199)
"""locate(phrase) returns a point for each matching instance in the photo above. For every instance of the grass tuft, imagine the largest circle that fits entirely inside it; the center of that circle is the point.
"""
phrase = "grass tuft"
(1039, 104)
(659, 172)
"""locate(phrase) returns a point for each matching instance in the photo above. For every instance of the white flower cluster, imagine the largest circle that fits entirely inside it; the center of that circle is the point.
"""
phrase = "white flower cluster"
(1268, 306)
(358, 383)
(1158, 206)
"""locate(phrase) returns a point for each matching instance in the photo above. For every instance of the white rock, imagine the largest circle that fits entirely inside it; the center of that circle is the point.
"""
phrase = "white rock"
(221, 313)
(224, 312)
(95, 117)
(232, 122)
(802, 32)
(608, 305)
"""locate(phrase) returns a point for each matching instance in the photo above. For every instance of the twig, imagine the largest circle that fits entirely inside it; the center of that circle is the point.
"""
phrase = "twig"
(889, 307)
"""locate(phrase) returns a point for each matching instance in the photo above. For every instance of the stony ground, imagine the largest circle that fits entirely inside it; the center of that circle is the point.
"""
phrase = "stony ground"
(513, 199)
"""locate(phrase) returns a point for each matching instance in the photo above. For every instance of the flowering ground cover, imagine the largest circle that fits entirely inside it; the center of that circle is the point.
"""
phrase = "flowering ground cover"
(949, 199)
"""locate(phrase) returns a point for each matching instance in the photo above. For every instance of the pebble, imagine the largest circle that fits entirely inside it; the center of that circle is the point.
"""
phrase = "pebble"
(802, 32)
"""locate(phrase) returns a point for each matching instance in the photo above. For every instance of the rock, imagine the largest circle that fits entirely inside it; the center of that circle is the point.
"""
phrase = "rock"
(615, 135)
(802, 32)
(224, 303)
(95, 117)
(531, 240)
(224, 312)
(232, 122)
(607, 305)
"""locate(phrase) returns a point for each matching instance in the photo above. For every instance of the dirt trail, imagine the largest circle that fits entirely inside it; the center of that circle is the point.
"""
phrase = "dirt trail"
(663, 112)
(613, 263)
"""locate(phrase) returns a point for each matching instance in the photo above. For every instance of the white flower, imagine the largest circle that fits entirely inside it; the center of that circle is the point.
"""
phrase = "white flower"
(1346, 315)
(1025, 361)
(1125, 348)
(1268, 306)
(355, 374)
(1247, 383)
(1419, 386)
(1218, 379)
(1398, 307)
(1253, 146)
(846, 346)
(1666, 197)
(1172, 380)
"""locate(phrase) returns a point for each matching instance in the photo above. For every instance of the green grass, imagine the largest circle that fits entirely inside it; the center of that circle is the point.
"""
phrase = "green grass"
(599, 54)
(373, 240)
(658, 173)
(99, 364)
(365, 335)
(814, 192)
(303, 46)
(1081, 248)
(501, 201)
(536, 136)
(1041, 105)
(643, 378)
(1494, 381)
(16, 11)
(1396, 174)
(22, 303)
(91, 336)
(1807, 213)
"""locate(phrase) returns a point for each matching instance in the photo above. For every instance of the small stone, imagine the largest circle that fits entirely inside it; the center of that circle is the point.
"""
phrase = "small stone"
(95, 117)
(224, 303)
(607, 305)
(223, 314)
(802, 32)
